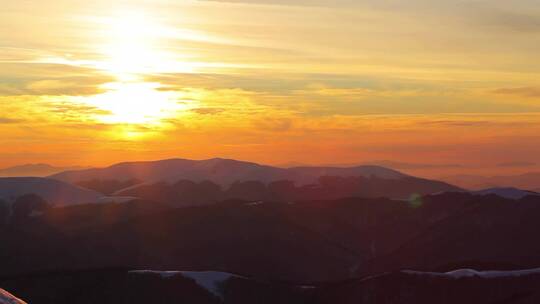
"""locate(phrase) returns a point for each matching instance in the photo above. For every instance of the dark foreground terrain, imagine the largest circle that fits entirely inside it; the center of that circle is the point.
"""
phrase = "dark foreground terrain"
(337, 251)
(116, 286)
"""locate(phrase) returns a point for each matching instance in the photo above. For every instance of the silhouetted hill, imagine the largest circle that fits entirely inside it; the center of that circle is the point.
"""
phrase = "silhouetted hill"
(57, 193)
(303, 242)
(461, 286)
(527, 181)
(511, 193)
(489, 230)
(120, 286)
(189, 193)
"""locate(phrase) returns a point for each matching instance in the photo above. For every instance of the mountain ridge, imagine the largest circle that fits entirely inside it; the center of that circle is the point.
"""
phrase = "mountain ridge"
(251, 177)
(148, 171)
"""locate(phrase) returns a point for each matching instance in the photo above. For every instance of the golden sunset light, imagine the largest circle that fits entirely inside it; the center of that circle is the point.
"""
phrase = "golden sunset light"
(269, 151)
(129, 103)
(373, 81)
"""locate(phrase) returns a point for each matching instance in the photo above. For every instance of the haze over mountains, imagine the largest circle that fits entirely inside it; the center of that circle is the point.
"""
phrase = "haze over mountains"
(525, 175)
(184, 182)
(529, 181)
(33, 170)
(56, 192)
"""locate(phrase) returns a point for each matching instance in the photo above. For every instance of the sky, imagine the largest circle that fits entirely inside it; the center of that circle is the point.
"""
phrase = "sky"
(436, 82)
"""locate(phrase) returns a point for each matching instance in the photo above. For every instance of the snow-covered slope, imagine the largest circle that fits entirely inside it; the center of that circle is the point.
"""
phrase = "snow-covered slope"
(221, 171)
(57, 193)
(209, 280)
(7, 298)
(510, 193)
(468, 273)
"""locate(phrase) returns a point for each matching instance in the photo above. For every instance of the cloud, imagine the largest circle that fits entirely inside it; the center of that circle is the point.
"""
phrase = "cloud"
(516, 164)
(322, 3)
(516, 21)
(208, 111)
(387, 4)
(6, 120)
(50, 79)
(72, 112)
(273, 124)
(410, 166)
(518, 16)
(459, 123)
(531, 92)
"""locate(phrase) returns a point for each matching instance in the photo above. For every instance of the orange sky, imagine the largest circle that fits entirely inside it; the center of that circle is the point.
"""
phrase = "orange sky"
(317, 82)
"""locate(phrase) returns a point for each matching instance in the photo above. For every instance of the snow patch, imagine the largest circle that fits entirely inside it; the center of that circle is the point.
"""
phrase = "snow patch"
(162, 274)
(470, 273)
(255, 203)
(209, 280)
(7, 298)
(307, 287)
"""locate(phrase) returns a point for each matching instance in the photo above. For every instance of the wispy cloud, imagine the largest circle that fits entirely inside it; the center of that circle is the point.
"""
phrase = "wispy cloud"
(208, 111)
(516, 164)
(28, 78)
(6, 120)
(532, 92)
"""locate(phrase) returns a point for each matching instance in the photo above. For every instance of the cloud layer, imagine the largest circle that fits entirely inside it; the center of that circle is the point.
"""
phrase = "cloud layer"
(450, 82)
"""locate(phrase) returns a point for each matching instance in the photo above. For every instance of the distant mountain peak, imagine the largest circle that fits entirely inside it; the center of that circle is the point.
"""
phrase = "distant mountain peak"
(507, 192)
(221, 171)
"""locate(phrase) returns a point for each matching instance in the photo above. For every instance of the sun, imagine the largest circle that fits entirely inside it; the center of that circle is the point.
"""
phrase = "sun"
(134, 49)
(136, 103)
(132, 46)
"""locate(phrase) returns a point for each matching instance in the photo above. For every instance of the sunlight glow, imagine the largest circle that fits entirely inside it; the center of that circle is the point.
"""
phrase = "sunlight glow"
(133, 46)
(133, 49)
(136, 103)
(136, 44)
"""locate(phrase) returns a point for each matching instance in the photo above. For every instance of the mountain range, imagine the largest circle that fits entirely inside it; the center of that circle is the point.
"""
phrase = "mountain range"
(175, 231)
(224, 178)
(221, 171)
